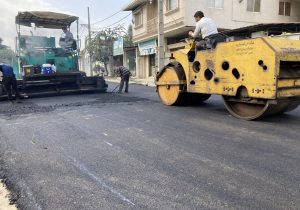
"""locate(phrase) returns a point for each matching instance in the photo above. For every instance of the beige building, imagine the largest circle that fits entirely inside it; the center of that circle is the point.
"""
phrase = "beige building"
(178, 19)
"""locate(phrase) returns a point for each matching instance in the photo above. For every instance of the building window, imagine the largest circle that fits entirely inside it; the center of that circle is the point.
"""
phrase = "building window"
(216, 3)
(285, 8)
(253, 5)
(172, 4)
(138, 19)
(152, 10)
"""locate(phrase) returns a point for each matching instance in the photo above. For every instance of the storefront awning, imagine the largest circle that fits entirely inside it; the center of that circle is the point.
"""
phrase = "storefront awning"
(148, 47)
(118, 47)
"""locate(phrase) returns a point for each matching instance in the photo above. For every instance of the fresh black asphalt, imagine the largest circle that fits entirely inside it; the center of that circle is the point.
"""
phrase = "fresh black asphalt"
(128, 151)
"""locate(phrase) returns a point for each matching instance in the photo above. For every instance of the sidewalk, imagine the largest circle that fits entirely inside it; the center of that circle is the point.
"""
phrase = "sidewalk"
(133, 80)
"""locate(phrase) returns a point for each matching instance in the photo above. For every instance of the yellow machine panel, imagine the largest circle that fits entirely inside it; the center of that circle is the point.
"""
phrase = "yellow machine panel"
(255, 76)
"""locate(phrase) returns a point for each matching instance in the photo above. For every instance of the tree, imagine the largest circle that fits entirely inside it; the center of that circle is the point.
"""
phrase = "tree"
(101, 46)
(6, 54)
(1, 45)
(128, 42)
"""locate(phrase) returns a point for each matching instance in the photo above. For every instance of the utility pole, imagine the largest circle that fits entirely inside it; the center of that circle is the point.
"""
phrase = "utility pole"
(90, 39)
(161, 37)
(18, 45)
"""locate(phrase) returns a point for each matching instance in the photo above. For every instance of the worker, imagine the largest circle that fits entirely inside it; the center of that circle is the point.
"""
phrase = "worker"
(69, 41)
(9, 80)
(206, 30)
(124, 73)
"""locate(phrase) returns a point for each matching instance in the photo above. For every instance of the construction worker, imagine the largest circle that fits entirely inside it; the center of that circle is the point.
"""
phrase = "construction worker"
(124, 73)
(9, 80)
(69, 39)
(206, 30)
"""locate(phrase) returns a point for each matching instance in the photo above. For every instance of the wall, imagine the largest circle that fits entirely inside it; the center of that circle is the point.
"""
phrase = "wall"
(296, 11)
(235, 14)
(142, 67)
(173, 20)
(140, 30)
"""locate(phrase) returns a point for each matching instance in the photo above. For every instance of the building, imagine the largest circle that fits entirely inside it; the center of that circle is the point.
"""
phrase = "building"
(178, 20)
(124, 55)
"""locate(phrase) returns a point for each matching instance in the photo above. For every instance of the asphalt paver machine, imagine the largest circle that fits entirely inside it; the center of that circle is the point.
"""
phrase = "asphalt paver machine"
(34, 52)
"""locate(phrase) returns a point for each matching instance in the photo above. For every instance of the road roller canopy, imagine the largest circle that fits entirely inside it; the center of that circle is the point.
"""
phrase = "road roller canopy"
(45, 19)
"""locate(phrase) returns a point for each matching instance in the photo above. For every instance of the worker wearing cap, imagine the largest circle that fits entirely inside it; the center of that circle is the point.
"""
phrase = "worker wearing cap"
(124, 73)
(205, 27)
(9, 80)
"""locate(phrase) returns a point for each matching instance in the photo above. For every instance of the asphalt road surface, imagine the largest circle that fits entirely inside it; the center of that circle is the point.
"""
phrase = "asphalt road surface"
(128, 151)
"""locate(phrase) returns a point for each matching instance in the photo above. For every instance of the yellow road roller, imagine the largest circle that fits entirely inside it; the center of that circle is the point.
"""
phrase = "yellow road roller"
(256, 77)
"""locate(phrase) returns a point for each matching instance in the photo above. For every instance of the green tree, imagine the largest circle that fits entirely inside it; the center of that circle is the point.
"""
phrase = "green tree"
(101, 46)
(128, 42)
(6, 54)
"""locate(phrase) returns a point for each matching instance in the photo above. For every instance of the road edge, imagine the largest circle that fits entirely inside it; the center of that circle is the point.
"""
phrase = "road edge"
(5, 198)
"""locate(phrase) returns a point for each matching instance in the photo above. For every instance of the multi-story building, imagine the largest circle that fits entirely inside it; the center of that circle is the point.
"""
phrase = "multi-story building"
(178, 20)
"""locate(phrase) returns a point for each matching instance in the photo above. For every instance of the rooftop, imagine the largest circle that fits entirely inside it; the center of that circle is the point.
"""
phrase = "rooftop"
(133, 5)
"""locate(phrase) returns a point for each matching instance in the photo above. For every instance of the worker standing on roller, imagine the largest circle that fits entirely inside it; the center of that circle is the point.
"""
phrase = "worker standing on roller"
(9, 80)
(124, 73)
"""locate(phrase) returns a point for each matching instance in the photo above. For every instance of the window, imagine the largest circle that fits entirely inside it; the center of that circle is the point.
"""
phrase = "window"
(215, 3)
(152, 10)
(253, 5)
(285, 8)
(172, 4)
(138, 19)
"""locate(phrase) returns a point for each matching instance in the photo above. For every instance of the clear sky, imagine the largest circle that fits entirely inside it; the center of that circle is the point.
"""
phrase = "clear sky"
(99, 9)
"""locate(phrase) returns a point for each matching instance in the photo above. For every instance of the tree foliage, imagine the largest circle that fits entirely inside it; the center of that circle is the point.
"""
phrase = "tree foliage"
(101, 46)
(6, 54)
(128, 37)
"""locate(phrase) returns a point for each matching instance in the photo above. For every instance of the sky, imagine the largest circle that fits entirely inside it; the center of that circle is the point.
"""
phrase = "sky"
(99, 10)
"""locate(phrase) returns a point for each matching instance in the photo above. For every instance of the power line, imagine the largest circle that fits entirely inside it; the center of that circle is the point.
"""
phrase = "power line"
(100, 21)
(82, 32)
(115, 22)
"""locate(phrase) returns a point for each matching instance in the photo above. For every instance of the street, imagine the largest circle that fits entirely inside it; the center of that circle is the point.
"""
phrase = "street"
(129, 151)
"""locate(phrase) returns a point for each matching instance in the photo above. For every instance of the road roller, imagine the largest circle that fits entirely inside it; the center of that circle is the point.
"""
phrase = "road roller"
(256, 77)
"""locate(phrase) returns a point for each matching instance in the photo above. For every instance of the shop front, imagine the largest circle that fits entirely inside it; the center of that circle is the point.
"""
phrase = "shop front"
(146, 65)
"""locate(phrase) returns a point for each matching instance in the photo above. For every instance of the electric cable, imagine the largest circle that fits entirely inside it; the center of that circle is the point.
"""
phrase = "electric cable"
(100, 21)
(115, 22)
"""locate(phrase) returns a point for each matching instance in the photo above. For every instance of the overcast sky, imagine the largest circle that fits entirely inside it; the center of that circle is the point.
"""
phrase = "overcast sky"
(99, 10)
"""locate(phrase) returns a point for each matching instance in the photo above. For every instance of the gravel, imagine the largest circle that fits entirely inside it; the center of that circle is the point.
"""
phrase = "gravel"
(29, 106)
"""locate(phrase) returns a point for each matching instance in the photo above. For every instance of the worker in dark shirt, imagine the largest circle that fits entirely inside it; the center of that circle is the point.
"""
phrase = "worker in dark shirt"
(9, 80)
(124, 73)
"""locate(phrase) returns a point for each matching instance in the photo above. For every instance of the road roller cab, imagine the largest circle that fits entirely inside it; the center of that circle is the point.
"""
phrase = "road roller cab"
(255, 77)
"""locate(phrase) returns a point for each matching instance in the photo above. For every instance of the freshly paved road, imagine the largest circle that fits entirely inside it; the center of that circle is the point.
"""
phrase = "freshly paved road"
(131, 152)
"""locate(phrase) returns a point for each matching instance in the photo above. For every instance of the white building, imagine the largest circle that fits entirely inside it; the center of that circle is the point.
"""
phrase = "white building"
(179, 19)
